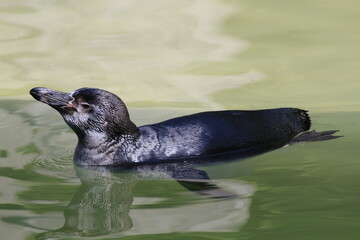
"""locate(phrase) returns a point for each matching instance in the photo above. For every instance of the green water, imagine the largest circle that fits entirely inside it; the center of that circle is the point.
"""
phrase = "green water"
(166, 59)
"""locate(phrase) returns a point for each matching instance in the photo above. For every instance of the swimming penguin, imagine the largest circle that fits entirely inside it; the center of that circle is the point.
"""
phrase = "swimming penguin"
(107, 136)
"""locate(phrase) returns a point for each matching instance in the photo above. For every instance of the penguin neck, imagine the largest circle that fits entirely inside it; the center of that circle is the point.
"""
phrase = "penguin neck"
(94, 139)
(98, 148)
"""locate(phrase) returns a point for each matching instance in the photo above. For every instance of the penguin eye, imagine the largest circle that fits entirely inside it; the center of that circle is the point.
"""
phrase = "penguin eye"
(85, 105)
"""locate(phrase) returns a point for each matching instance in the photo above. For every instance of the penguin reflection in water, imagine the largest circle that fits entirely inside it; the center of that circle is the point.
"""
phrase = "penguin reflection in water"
(105, 202)
(106, 135)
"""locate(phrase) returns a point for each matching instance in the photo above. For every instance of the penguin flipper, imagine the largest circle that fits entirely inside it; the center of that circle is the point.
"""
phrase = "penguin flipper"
(198, 181)
(313, 136)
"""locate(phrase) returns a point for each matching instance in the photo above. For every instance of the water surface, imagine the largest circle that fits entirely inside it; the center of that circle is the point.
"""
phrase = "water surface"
(167, 59)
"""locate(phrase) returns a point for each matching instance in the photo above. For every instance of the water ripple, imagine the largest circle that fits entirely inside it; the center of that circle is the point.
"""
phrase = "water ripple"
(16, 32)
(110, 44)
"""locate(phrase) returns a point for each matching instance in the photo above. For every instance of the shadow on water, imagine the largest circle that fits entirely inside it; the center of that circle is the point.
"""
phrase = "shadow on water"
(102, 204)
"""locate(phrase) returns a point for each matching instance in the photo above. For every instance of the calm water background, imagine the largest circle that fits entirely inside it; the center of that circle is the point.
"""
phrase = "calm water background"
(165, 59)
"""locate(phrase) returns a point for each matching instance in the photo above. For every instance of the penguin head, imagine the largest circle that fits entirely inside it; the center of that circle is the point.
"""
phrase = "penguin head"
(89, 111)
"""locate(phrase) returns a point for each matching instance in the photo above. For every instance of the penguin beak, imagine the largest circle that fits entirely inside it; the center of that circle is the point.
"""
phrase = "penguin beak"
(56, 99)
